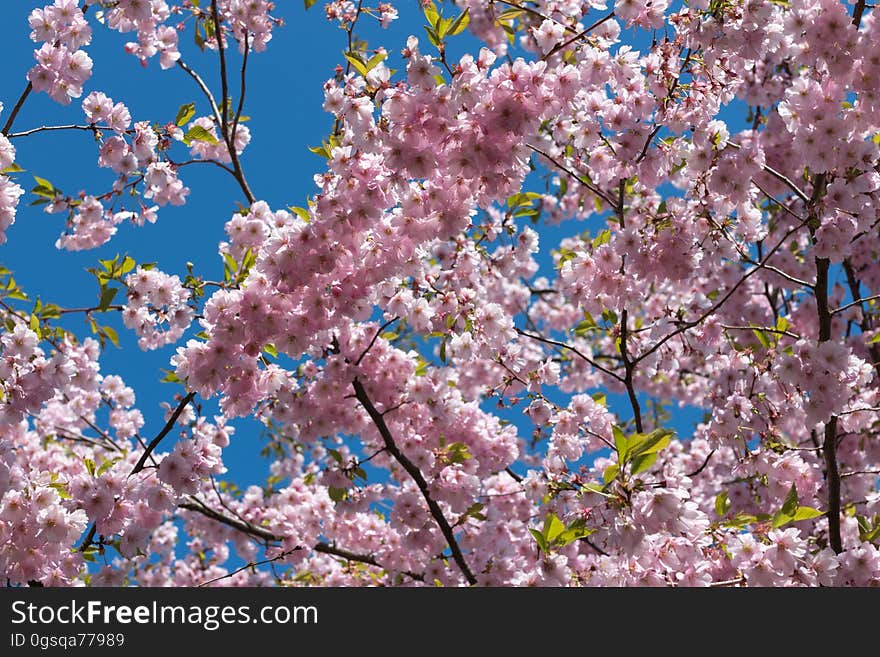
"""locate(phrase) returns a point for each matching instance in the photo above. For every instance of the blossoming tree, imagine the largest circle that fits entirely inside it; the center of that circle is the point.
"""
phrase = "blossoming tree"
(386, 333)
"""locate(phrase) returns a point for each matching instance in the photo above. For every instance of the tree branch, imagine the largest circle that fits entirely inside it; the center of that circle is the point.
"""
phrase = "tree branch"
(17, 108)
(563, 345)
(164, 432)
(586, 183)
(265, 535)
(55, 128)
(416, 474)
(252, 564)
(579, 35)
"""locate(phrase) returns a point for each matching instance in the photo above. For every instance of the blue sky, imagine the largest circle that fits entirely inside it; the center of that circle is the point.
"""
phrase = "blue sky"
(284, 102)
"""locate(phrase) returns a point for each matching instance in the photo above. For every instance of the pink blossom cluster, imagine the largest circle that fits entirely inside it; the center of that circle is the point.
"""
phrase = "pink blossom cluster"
(445, 404)
(157, 308)
(9, 191)
(62, 66)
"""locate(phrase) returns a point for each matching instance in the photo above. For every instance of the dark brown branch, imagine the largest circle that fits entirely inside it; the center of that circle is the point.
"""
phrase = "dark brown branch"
(268, 537)
(702, 467)
(857, 13)
(537, 14)
(866, 324)
(252, 564)
(563, 345)
(241, 96)
(204, 87)
(228, 138)
(594, 546)
(628, 364)
(379, 332)
(164, 432)
(579, 35)
(823, 311)
(224, 82)
(685, 326)
(89, 539)
(214, 162)
(586, 183)
(416, 474)
(17, 108)
(517, 478)
(829, 446)
(241, 525)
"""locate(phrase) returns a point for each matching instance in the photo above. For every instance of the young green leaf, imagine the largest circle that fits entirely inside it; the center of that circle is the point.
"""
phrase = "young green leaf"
(185, 114)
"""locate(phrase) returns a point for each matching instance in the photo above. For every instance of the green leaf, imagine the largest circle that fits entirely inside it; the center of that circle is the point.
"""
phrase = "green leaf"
(185, 114)
(642, 462)
(641, 443)
(620, 443)
(510, 14)
(375, 60)
(45, 189)
(539, 538)
(63, 493)
(90, 466)
(12, 168)
(586, 325)
(110, 334)
(170, 377)
(430, 11)
(302, 213)
(790, 505)
(433, 37)
(270, 349)
(596, 488)
(722, 503)
(107, 464)
(458, 453)
(573, 532)
(609, 316)
(337, 494)
(355, 60)
(460, 24)
(789, 509)
(309, 3)
(474, 511)
(806, 513)
(198, 133)
(602, 238)
(42, 182)
(611, 473)
(763, 338)
(335, 455)
(107, 295)
(553, 527)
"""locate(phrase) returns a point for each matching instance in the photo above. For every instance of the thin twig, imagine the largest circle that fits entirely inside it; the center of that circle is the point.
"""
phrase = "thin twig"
(702, 467)
(857, 302)
(563, 345)
(598, 192)
(55, 128)
(579, 35)
(252, 564)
